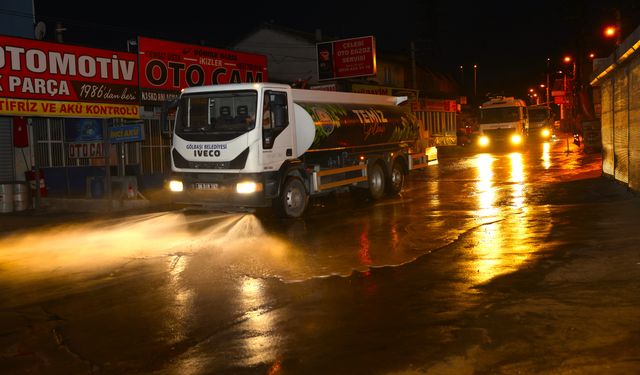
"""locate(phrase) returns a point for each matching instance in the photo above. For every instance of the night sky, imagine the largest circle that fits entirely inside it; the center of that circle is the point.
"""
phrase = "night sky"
(509, 42)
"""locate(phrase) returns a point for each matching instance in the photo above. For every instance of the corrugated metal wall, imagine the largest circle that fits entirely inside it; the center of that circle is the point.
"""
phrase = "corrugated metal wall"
(621, 126)
(634, 122)
(607, 127)
(620, 119)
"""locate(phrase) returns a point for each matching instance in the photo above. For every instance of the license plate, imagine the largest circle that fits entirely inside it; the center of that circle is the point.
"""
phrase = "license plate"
(205, 186)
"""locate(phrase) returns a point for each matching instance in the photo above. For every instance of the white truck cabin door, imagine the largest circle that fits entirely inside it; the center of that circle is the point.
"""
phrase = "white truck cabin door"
(278, 130)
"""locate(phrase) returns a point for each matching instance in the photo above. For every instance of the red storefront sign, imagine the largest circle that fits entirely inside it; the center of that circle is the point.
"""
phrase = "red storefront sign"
(434, 105)
(37, 78)
(345, 58)
(167, 67)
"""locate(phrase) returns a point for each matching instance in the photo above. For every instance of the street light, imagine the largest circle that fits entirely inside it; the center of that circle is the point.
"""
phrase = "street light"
(611, 31)
(574, 91)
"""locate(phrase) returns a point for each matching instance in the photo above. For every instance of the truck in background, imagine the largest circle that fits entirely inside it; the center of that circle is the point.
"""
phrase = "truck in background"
(540, 122)
(502, 120)
(255, 145)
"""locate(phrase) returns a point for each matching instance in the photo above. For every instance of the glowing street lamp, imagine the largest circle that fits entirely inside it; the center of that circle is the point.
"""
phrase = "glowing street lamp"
(614, 31)
(610, 31)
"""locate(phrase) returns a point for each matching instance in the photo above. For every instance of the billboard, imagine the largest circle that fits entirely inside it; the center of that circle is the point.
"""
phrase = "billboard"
(384, 90)
(346, 58)
(434, 105)
(167, 67)
(59, 80)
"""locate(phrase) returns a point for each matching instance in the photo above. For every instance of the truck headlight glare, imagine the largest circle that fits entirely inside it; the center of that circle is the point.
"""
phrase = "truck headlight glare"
(516, 139)
(248, 187)
(545, 133)
(176, 186)
(483, 141)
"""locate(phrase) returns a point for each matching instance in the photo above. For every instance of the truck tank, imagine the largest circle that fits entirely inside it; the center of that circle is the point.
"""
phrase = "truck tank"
(339, 125)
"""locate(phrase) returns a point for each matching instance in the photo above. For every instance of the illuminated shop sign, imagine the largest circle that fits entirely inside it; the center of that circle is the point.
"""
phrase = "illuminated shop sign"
(51, 79)
(167, 67)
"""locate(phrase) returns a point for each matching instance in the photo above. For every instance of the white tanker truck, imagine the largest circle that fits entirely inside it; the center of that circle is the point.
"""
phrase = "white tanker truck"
(503, 120)
(255, 145)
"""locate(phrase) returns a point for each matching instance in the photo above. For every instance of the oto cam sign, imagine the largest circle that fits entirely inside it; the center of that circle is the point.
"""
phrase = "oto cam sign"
(167, 67)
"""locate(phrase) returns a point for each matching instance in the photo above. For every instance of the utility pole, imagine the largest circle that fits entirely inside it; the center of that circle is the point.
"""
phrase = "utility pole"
(619, 27)
(59, 31)
(414, 80)
(475, 76)
(548, 62)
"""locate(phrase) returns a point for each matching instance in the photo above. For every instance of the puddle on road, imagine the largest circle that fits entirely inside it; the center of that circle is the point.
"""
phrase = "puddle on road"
(388, 233)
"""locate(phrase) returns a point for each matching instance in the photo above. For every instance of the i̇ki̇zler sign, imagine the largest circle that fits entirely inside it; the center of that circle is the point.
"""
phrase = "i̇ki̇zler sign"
(167, 67)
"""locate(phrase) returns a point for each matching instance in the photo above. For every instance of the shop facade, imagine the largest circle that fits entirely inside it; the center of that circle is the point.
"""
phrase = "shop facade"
(81, 116)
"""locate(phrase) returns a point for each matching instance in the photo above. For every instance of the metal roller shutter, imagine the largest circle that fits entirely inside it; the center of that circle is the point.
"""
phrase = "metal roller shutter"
(607, 127)
(621, 127)
(7, 172)
(634, 125)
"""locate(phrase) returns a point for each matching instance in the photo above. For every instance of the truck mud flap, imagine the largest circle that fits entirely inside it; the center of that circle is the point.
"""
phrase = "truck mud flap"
(419, 160)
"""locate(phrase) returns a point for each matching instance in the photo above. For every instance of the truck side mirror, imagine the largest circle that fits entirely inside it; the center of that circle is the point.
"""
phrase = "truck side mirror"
(164, 117)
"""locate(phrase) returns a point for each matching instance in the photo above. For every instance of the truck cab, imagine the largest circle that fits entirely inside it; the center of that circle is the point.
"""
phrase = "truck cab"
(232, 140)
(503, 120)
(540, 122)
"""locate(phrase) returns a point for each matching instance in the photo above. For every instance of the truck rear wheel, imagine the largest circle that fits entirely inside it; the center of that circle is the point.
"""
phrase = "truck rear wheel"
(396, 180)
(294, 198)
(376, 181)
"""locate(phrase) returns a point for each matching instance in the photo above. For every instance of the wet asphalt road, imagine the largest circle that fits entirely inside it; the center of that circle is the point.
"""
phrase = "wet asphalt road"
(487, 263)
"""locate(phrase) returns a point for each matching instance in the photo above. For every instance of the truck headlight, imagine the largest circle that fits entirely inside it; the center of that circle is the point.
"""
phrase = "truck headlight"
(248, 187)
(516, 139)
(545, 133)
(176, 186)
(483, 141)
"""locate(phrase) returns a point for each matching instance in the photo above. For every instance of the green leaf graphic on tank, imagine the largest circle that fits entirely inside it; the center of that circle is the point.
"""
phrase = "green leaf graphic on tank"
(344, 125)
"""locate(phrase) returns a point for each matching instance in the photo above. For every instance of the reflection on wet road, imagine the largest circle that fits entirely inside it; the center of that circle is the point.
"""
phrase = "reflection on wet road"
(494, 191)
(203, 283)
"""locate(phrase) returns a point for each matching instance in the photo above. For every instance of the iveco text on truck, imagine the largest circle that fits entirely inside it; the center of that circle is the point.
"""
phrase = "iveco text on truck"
(502, 120)
(262, 144)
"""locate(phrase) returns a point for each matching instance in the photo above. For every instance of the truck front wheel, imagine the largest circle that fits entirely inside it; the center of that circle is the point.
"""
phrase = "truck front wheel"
(294, 198)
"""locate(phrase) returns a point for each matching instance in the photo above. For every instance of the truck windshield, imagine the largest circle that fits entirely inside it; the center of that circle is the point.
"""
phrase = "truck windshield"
(218, 112)
(538, 114)
(502, 114)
